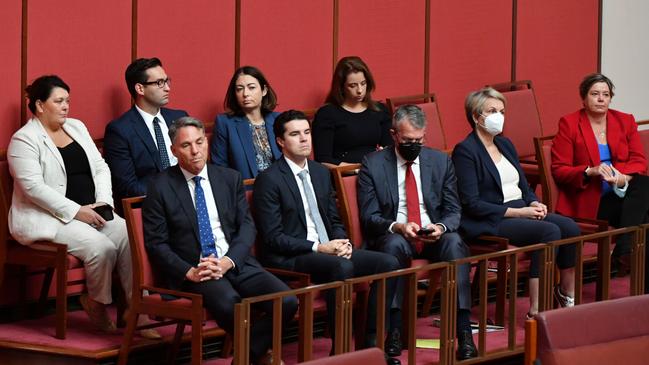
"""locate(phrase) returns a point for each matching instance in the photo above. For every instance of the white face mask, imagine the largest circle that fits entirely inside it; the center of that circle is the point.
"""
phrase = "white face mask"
(493, 123)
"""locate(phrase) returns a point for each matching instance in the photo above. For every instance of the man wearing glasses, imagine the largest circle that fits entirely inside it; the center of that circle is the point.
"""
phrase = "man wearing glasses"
(409, 208)
(137, 144)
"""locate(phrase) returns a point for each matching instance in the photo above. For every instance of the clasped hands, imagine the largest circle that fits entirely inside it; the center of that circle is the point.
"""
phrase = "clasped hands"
(609, 174)
(87, 215)
(209, 268)
(339, 247)
(409, 231)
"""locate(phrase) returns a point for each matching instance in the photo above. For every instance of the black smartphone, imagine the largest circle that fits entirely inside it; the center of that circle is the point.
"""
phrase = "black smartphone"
(105, 211)
(425, 231)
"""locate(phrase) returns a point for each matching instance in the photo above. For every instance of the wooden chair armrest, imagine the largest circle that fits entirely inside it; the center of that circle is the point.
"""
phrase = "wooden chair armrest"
(487, 243)
(298, 279)
(600, 224)
(175, 293)
(49, 246)
(531, 162)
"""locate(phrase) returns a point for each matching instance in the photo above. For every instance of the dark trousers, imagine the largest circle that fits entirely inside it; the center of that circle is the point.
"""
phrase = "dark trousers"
(325, 268)
(626, 212)
(449, 247)
(220, 296)
(524, 232)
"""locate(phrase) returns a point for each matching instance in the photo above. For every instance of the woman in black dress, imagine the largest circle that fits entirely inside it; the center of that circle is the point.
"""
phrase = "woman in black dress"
(350, 124)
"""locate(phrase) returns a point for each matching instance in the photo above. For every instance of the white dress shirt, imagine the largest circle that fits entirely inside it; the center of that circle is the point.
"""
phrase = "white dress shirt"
(222, 245)
(311, 233)
(148, 120)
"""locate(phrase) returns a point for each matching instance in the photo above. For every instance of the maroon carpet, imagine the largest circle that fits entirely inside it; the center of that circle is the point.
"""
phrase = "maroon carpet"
(82, 338)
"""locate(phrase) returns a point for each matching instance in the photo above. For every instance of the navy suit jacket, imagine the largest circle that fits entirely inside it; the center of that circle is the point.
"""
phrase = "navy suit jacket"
(131, 152)
(378, 191)
(280, 216)
(232, 144)
(479, 184)
(170, 225)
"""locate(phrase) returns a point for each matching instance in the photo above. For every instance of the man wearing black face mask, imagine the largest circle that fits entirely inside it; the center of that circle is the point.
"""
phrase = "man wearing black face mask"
(409, 208)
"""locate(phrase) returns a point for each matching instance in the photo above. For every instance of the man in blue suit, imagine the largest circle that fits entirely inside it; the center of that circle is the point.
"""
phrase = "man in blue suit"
(409, 206)
(137, 144)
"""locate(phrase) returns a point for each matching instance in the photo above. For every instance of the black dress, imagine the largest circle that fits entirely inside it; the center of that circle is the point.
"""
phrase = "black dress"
(343, 136)
(81, 186)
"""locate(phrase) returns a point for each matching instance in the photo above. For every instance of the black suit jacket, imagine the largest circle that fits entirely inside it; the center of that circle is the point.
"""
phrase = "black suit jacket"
(378, 194)
(131, 152)
(479, 185)
(171, 230)
(280, 215)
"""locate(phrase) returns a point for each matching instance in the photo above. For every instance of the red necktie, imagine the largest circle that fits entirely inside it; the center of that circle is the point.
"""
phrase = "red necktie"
(412, 202)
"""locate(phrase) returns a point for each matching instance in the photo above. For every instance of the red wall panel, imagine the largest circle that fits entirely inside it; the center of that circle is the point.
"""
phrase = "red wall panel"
(470, 46)
(291, 46)
(389, 36)
(10, 94)
(194, 39)
(556, 47)
(87, 43)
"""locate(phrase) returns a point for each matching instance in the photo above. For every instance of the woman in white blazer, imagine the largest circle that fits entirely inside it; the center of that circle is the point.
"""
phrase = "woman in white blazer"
(60, 179)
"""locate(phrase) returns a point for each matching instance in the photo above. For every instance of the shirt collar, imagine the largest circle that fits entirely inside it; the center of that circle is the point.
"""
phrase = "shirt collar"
(295, 169)
(188, 175)
(401, 161)
(148, 118)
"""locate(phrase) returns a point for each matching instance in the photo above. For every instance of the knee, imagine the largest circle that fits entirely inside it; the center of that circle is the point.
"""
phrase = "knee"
(102, 250)
(389, 263)
(342, 270)
(453, 247)
(550, 232)
(289, 307)
(224, 305)
(397, 246)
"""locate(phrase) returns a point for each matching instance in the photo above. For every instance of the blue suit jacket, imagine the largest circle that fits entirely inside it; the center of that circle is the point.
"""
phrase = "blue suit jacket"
(378, 191)
(131, 152)
(280, 216)
(479, 184)
(232, 144)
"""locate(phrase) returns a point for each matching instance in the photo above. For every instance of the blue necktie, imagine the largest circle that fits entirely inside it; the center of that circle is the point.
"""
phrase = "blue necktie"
(208, 245)
(162, 147)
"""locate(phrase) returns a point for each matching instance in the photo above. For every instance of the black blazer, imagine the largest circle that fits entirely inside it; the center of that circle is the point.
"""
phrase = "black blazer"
(279, 212)
(378, 194)
(170, 228)
(131, 152)
(479, 184)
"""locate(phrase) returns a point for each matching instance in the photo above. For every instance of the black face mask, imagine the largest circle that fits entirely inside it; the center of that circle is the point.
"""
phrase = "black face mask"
(409, 151)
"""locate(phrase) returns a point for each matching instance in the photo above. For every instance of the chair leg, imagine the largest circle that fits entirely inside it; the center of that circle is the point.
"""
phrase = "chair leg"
(61, 302)
(197, 340)
(175, 346)
(45, 290)
(430, 293)
(501, 290)
(131, 323)
(226, 351)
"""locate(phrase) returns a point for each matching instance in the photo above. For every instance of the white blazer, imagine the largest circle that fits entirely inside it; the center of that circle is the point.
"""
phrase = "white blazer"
(39, 207)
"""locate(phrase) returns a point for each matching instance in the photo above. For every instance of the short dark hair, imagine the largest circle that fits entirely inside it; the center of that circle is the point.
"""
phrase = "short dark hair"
(41, 88)
(344, 67)
(184, 122)
(268, 102)
(592, 79)
(279, 127)
(136, 72)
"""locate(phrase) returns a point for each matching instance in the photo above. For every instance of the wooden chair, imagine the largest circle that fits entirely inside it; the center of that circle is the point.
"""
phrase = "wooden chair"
(40, 258)
(523, 123)
(644, 136)
(428, 103)
(186, 309)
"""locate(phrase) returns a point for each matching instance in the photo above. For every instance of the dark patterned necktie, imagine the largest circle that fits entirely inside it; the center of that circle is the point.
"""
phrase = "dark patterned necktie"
(208, 245)
(162, 147)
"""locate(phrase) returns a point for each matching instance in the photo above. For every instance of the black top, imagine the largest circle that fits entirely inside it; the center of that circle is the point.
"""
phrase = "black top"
(81, 186)
(343, 136)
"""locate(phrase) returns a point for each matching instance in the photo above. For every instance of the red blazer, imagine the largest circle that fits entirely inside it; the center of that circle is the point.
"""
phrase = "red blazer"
(575, 148)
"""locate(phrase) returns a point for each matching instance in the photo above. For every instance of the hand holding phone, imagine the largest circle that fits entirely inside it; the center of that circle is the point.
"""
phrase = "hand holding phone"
(105, 211)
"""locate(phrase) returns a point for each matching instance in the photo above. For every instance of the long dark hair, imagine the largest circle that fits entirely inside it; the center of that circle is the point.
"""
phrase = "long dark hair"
(268, 102)
(345, 66)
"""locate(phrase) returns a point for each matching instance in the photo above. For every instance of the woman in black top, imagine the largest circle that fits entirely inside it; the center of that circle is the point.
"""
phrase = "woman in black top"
(351, 124)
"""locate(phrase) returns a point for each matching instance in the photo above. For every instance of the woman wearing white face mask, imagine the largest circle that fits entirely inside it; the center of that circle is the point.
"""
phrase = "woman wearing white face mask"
(496, 198)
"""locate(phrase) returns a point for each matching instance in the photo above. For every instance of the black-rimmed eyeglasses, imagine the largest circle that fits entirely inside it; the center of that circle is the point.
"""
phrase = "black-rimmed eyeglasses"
(160, 82)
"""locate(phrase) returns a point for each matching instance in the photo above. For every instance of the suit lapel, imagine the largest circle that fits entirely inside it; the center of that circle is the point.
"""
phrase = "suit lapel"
(141, 130)
(487, 161)
(244, 133)
(613, 135)
(589, 139)
(49, 143)
(289, 180)
(221, 199)
(179, 185)
(391, 178)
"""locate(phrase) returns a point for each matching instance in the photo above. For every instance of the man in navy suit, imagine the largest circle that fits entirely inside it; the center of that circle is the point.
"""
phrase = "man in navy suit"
(296, 212)
(137, 144)
(198, 232)
(407, 188)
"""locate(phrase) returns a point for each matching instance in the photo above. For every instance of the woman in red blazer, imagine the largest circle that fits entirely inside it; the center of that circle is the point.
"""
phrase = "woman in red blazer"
(598, 163)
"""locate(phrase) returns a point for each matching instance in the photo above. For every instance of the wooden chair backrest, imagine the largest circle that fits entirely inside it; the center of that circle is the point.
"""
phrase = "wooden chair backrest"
(143, 273)
(345, 179)
(543, 146)
(435, 137)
